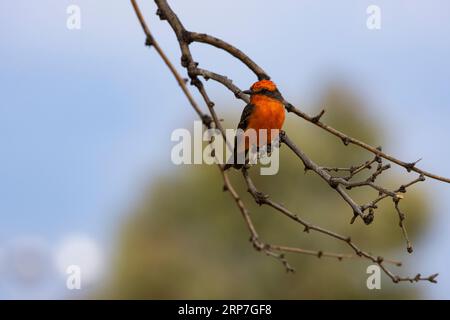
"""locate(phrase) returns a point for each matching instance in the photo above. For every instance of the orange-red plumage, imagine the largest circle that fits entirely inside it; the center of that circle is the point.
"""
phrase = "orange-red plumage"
(268, 113)
(265, 111)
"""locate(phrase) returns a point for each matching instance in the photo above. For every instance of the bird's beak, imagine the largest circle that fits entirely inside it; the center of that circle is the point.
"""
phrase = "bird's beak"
(247, 91)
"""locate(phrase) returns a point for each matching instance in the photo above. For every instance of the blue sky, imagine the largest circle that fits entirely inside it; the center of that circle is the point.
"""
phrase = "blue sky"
(77, 109)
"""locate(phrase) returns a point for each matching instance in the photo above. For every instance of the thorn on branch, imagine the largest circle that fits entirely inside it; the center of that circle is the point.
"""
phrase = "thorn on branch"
(161, 14)
(410, 166)
(378, 159)
(149, 41)
(346, 140)
(316, 119)
(433, 277)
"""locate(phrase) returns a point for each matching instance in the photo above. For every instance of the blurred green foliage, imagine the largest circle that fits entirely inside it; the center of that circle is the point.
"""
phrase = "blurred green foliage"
(186, 239)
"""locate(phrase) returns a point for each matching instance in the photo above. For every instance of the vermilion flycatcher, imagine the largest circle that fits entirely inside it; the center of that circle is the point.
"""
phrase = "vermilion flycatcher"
(265, 111)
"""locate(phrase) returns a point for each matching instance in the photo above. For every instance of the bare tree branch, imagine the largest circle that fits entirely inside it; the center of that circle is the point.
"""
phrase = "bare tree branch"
(341, 184)
(263, 199)
(257, 243)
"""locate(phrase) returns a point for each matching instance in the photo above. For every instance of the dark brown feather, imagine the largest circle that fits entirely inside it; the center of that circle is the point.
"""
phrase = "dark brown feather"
(243, 124)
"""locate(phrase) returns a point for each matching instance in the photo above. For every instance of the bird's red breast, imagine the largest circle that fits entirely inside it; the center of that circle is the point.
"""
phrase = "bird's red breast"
(268, 113)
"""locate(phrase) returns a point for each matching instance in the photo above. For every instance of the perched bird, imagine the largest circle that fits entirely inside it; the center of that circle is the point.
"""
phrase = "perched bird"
(265, 111)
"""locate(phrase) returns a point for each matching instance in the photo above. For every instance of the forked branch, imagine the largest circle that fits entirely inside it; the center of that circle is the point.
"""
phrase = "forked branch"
(342, 184)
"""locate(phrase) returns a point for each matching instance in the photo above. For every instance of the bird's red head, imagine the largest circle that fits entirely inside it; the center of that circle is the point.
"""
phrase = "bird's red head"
(264, 87)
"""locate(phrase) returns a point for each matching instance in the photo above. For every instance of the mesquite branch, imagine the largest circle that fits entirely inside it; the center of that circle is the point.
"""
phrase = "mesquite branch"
(342, 185)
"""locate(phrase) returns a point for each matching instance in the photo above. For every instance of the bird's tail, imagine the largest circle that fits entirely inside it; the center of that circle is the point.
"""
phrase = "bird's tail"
(233, 161)
(239, 157)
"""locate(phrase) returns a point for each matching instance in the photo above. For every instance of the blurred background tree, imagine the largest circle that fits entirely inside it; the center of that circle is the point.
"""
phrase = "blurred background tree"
(186, 238)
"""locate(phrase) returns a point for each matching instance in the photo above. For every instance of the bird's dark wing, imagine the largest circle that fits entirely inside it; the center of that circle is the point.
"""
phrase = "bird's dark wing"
(246, 113)
(243, 124)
